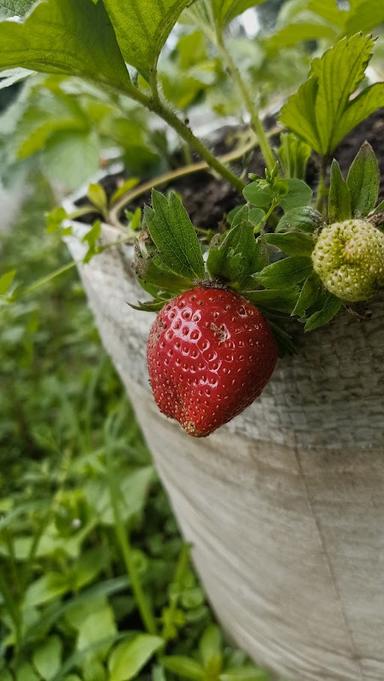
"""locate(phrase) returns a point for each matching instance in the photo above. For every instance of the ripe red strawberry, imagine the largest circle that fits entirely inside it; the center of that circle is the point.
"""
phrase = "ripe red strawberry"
(210, 354)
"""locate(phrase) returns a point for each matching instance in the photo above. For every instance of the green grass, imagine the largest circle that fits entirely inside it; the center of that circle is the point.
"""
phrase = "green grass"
(95, 582)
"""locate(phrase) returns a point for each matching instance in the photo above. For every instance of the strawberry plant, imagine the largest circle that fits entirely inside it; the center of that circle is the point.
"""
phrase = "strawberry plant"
(292, 253)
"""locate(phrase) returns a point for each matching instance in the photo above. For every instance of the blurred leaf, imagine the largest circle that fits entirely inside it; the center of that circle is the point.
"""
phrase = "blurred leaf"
(97, 196)
(46, 588)
(300, 32)
(47, 657)
(71, 158)
(134, 488)
(182, 666)
(365, 16)
(142, 28)
(363, 181)
(129, 657)
(124, 188)
(6, 281)
(226, 10)
(26, 673)
(91, 238)
(96, 626)
(210, 645)
(248, 673)
(56, 38)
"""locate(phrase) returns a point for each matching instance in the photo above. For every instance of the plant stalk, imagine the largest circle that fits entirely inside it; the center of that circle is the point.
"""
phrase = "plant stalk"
(141, 599)
(250, 105)
(322, 189)
(162, 110)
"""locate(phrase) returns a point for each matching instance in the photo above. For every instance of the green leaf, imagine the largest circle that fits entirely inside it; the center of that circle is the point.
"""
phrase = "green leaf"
(306, 219)
(317, 111)
(248, 673)
(339, 197)
(298, 32)
(174, 236)
(298, 194)
(363, 181)
(226, 10)
(278, 300)
(210, 645)
(96, 626)
(365, 16)
(15, 8)
(129, 657)
(142, 28)
(74, 37)
(71, 158)
(183, 666)
(285, 272)
(237, 256)
(247, 215)
(329, 310)
(339, 72)
(97, 196)
(45, 588)
(294, 155)
(26, 673)
(6, 281)
(259, 193)
(299, 113)
(292, 243)
(47, 657)
(360, 108)
(309, 295)
(46, 115)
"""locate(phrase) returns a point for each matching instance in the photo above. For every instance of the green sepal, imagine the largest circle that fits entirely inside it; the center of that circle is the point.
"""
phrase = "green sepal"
(236, 255)
(330, 308)
(285, 272)
(311, 291)
(278, 300)
(154, 305)
(153, 276)
(292, 243)
(174, 236)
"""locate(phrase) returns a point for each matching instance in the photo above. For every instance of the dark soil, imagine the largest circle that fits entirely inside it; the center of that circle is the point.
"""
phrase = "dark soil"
(207, 198)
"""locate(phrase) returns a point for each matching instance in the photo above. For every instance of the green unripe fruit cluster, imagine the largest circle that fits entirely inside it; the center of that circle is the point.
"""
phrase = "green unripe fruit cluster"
(349, 259)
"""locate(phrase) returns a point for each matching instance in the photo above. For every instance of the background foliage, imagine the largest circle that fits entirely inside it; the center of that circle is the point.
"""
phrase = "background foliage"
(69, 447)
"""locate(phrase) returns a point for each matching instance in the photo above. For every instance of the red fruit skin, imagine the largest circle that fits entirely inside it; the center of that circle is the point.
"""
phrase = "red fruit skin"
(210, 353)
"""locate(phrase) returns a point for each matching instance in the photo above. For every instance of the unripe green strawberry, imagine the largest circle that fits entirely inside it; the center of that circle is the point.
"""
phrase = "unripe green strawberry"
(349, 259)
(210, 354)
